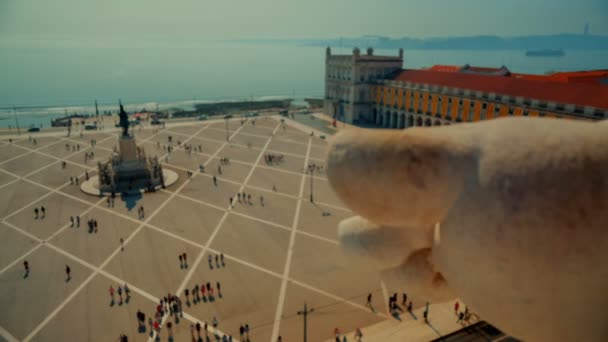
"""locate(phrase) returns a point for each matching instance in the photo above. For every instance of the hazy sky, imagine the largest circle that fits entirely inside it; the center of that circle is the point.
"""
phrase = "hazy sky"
(80, 20)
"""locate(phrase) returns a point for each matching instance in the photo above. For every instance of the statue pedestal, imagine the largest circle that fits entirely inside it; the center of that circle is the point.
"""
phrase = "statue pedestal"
(128, 148)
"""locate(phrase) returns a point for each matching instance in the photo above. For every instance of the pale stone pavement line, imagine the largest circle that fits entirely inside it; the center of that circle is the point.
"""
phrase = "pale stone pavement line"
(27, 150)
(58, 159)
(16, 261)
(42, 241)
(244, 162)
(57, 189)
(292, 239)
(7, 336)
(52, 190)
(221, 221)
(149, 225)
(33, 237)
(253, 218)
(9, 183)
(338, 298)
(107, 260)
(202, 252)
(333, 206)
(385, 295)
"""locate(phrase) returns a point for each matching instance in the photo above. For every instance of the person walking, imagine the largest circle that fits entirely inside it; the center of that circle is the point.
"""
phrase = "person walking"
(210, 259)
(77, 220)
(369, 300)
(151, 325)
(122, 244)
(195, 295)
(26, 265)
(67, 272)
(112, 294)
(222, 258)
(404, 299)
(242, 332)
(119, 291)
(186, 293)
(72, 221)
(217, 262)
(460, 317)
(358, 335)
(185, 260)
(215, 323)
(197, 326)
(127, 292)
(181, 261)
(43, 211)
(219, 289)
(247, 331)
(456, 306)
(170, 330)
(36, 213)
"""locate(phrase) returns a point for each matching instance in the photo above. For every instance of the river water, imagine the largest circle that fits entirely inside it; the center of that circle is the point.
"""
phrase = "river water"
(48, 82)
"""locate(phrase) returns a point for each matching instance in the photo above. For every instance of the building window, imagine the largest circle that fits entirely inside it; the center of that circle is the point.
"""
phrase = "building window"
(510, 110)
(498, 98)
(579, 110)
(559, 107)
(542, 104)
(484, 106)
(598, 114)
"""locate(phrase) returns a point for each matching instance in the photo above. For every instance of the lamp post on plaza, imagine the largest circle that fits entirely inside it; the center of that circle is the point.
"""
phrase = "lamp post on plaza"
(311, 170)
(16, 120)
(305, 313)
(227, 136)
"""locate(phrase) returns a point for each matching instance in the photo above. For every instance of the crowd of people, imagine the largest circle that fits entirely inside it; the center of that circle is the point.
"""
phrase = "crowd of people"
(273, 158)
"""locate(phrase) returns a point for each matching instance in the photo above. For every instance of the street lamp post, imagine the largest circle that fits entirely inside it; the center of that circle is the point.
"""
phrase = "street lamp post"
(16, 120)
(305, 313)
(227, 136)
(311, 170)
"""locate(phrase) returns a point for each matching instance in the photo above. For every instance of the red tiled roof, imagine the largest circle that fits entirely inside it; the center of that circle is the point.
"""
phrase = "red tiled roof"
(445, 68)
(481, 69)
(544, 89)
(589, 77)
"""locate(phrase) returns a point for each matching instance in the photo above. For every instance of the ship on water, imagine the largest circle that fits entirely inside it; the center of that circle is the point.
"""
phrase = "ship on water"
(545, 53)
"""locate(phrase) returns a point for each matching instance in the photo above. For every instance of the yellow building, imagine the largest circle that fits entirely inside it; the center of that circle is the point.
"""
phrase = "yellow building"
(444, 95)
